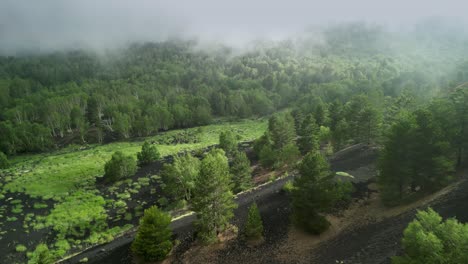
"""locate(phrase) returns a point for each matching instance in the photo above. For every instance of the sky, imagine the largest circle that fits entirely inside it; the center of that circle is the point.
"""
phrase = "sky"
(45, 25)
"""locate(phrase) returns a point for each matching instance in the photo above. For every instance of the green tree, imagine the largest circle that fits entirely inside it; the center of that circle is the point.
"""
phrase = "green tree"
(213, 200)
(315, 192)
(395, 161)
(149, 153)
(241, 172)
(41, 255)
(430, 240)
(308, 135)
(282, 130)
(254, 225)
(228, 142)
(4, 163)
(153, 238)
(288, 156)
(179, 177)
(119, 167)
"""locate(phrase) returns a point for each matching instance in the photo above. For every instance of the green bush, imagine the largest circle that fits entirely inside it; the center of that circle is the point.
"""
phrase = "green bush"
(153, 238)
(429, 239)
(149, 153)
(254, 225)
(4, 163)
(119, 167)
(41, 255)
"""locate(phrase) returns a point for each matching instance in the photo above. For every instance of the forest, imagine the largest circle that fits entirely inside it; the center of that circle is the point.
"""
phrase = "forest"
(94, 144)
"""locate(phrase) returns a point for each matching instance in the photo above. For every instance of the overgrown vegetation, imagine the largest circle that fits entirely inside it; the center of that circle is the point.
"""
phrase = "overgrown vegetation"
(429, 239)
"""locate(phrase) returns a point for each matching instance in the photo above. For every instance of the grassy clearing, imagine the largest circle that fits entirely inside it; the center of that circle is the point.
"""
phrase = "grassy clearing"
(80, 214)
(58, 174)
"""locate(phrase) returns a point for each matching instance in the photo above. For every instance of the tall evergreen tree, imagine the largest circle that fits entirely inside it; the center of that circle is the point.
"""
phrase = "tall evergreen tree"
(241, 172)
(213, 200)
(153, 239)
(308, 135)
(314, 193)
(228, 142)
(254, 225)
(395, 161)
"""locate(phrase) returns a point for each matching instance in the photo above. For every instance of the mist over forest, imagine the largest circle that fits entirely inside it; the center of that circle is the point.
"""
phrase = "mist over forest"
(258, 125)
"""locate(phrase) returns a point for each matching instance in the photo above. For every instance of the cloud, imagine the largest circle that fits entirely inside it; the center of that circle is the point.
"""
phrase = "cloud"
(57, 24)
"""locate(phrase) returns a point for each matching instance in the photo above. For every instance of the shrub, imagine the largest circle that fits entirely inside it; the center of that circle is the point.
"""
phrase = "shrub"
(41, 255)
(254, 225)
(21, 248)
(4, 163)
(429, 239)
(149, 153)
(119, 167)
(153, 238)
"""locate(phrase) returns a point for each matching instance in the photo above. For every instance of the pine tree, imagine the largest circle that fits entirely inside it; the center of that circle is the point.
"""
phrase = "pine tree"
(228, 142)
(254, 225)
(149, 153)
(213, 200)
(308, 135)
(241, 172)
(153, 238)
(395, 160)
(314, 193)
(281, 129)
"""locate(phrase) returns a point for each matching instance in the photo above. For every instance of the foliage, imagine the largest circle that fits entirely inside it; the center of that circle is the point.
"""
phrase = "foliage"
(228, 142)
(4, 163)
(119, 167)
(254, 225)
(78, 214)
(149, 153)
(41, 255)
(417, 154)
(241, 172)
(277, 148)
(315, 192)
(428, 239)
(153, 238)
(179, 177)
(213, 200)
(308, 135)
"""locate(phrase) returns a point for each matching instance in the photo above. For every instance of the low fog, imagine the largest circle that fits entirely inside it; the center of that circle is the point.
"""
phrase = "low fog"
(41, 26)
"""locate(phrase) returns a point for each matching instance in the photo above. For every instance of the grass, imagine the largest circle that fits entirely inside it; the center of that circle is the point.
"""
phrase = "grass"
(58, 174)
(68, 177)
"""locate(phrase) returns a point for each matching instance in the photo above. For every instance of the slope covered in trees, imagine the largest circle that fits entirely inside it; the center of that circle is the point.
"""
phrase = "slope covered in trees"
(49, 100)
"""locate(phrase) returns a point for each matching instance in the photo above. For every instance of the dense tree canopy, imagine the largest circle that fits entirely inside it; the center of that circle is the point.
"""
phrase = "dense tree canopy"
(53, 99)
